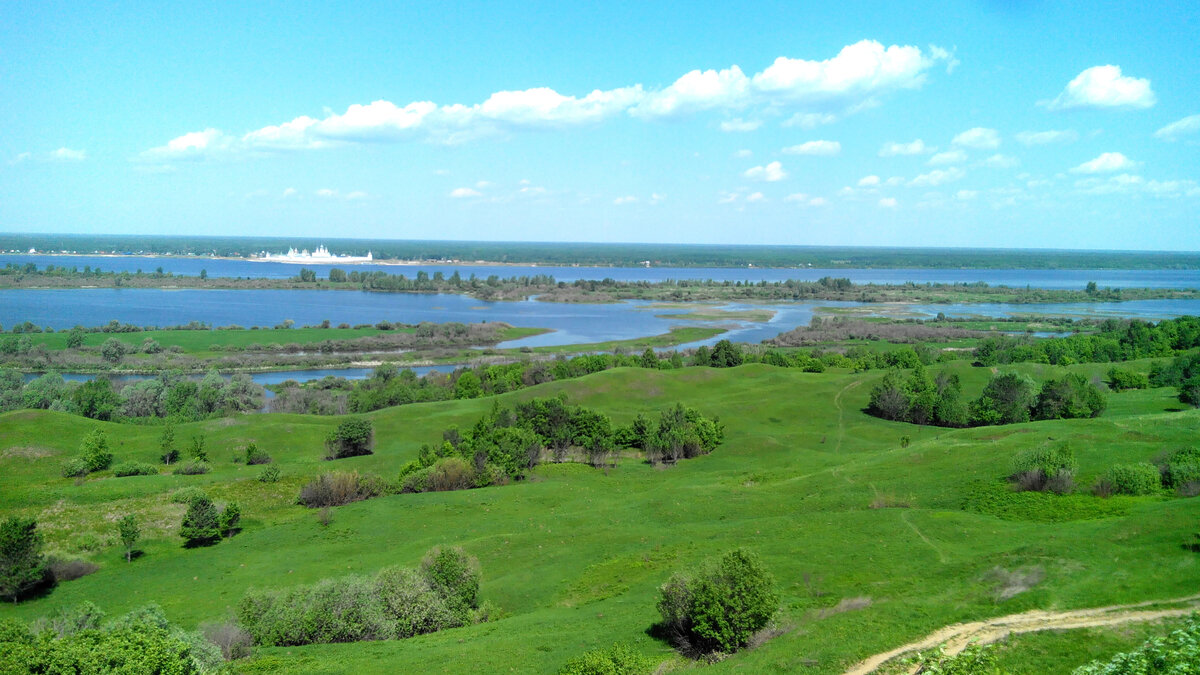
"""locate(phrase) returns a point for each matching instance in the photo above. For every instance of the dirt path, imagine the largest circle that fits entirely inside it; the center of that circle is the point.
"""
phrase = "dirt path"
(959, 636)
(837, 402)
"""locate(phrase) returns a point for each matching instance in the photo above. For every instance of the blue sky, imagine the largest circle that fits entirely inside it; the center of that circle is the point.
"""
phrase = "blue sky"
(1013, 124)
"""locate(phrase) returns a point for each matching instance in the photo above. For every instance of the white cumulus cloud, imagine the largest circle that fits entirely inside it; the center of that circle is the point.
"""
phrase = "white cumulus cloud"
(820, 148)
(937, 177)
(948, 157)
(1108, 162)
(627, 199)
(68, 155)
(868, 181)
(1184, 127)
(809, 120)
(979, 138)
(999, 161)
(770, 173)
(917, 147)
(1104, 87)
(1031, 138)
(465, 192)
(888, 203)
(852, 80)
(755, 197)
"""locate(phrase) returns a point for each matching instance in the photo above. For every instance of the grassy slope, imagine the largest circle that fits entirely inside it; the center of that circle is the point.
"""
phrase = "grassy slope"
(575, 555)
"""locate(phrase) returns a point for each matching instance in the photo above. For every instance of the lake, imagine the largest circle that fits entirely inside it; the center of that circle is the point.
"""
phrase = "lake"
(1057, 279)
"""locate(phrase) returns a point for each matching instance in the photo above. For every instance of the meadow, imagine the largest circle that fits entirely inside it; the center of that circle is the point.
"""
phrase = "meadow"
(871, 528)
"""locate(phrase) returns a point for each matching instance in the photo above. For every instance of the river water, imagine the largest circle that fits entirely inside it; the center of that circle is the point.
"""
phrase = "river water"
(1058, 279)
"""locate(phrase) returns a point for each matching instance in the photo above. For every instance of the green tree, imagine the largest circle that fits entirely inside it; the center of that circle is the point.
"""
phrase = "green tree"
(75, 338)
(113, 350)
(720, 606)
(128, 530)
(166, 444)
(1007, 399)
(94, 451)
(97, 400)
(649, 359)
(198, 450)
(725, 354)
(230, 516)
(22, 566)
(200, 526)
(351, 438)
(468, 386)
(203, 274)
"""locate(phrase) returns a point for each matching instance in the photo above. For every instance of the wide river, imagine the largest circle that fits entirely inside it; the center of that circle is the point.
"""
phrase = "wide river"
(570, 323)
(246, 268)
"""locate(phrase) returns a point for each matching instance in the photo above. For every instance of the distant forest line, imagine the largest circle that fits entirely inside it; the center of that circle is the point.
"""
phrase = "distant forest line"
(618, 255)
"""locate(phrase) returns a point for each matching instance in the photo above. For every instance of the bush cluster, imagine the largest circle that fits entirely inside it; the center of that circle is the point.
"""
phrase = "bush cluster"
(94, 455)
(352, 438)
(203, 524)
(1050, 468)
(718, 607)
(134, 469)
(1177, 652)
(1141, 478)
(338, 488)
(1007, 398)
(615, 660)
(396, 603)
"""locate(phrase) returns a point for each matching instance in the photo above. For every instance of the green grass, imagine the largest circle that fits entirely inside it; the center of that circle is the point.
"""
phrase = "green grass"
(574, 556)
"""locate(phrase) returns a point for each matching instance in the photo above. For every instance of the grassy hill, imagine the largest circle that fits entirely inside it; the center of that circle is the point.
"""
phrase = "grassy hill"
(868, 539)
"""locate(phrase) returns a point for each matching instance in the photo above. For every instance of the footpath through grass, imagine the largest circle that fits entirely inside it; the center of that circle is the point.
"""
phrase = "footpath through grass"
(860, 520)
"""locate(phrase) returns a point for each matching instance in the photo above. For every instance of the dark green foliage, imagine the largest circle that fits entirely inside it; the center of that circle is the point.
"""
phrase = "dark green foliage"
(1134, 479)
(1182, 468)
(398, 603)
(256, 456)
(683, 433)
(22, 565)
(1069, 397)
(134, 469)
(1007, 399)
(351, 438)
(129, 532)
(616, 660)
(719, 606)
(96, 399)
(999, 500)
(201, 525)
(1175, 653)
(919, 398)
(725, 354)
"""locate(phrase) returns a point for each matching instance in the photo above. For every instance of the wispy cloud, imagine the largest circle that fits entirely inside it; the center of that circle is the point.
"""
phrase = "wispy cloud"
(1031, 138)
(917, 147)
(770, 173)
(818, 148)
(1180, 128)
(1107, 162)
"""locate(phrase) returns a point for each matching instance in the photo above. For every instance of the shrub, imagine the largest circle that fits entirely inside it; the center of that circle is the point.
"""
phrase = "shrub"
(269, 474)
(336, 488)
(233, 640)
(256, 456)
(1182, 467)
(192, 468)
(1134, 479)
(416, 481)
(1070, 397)
(616, 660)
(200, 525)
(719, 606)
(94, 451)
(455, 577)
(412, 605)
(229, 519)
(329, 611)
(134, 469)
(351, 438)
(1121, 379)
(22, 567)
(75, 468)
(1178, 652)
(70, 570)
(450, 473)
(1047, 468)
